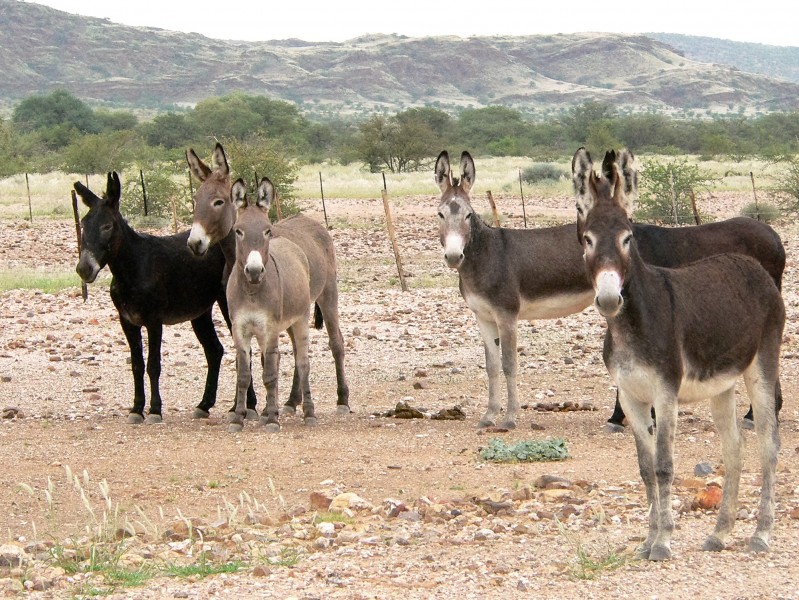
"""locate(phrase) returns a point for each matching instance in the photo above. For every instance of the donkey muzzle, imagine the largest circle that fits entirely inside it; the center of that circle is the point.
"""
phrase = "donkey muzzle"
(87, 267)
(608, 299)
(198, 241)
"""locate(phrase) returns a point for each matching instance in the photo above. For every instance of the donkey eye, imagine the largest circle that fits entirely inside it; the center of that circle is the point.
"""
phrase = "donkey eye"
(239, 233)
(441, 215)
(218, 202)
(627, 239)
(107, 228)
(267, 233)
(468, 216)
(579, 210)
(588, 241)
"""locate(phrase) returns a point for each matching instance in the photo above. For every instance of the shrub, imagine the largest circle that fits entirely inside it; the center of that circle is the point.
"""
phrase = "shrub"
(762, 211)
(786, 188)
(542, 172)
(667, 188)
(525, 451)
(166, 185)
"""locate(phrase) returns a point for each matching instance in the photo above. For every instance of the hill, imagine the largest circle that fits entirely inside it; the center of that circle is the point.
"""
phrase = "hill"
(42, 49)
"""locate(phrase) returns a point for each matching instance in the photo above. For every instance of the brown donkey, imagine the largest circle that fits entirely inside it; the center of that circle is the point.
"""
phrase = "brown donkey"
(681, 335)
(267, 292)
(214, 215)
(507, 275)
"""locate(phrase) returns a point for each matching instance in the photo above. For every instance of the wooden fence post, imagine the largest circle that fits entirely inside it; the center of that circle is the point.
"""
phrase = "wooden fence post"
(392, 236)
(84, 289)
(693, 206)
(754, 193)
(493, 208)
(322, 189)
(143, 191)
(30, 207)
(524, 210)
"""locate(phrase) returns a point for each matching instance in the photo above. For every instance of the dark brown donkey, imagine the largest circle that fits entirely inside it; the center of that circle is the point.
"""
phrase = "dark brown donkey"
(507, 275)
(214, 215)
(156, 282)
(267, 293)
(682, 335)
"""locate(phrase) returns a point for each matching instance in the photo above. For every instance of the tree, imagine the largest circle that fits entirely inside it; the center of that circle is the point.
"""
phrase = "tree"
(170, 130)
(580, 118)
(479, 130)
(786, 188)
(402, 143)
(101, 152)
(58, 118)
(667, 188)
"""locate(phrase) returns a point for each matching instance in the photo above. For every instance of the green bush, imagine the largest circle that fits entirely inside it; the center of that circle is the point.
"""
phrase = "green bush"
(166, 185)
(786, 188)
(525, 451)
(542, 172)
(762, 211)
(667, 188)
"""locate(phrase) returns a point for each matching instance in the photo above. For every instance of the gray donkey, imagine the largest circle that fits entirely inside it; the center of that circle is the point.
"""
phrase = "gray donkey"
(268, 292)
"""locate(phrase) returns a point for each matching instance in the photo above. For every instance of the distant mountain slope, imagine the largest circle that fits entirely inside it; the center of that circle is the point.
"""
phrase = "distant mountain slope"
(42, 49)
(773, 61)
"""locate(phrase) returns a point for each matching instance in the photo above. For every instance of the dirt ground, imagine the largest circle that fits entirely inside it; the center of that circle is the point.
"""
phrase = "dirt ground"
(423, 516)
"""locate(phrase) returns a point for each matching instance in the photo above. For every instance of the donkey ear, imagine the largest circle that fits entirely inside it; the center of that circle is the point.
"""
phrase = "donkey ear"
(266, 193)
(629, 173)
(441, 173)
(467, 172)
(113, 189)
(239, 194)
(609, 163)
(88, 197)
(582, 170)
(220, 159)
(197, 167)
(620, 195)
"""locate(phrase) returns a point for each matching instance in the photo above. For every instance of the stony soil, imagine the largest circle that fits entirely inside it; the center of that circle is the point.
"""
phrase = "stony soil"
(423, 516)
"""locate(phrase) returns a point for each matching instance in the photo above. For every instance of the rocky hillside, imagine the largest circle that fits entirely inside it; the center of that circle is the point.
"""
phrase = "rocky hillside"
(42, 49)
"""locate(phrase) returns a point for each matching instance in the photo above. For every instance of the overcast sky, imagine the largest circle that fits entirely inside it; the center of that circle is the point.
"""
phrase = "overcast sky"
(766, 21)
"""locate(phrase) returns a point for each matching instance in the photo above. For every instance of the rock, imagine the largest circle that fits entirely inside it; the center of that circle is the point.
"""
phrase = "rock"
(12, 555)
(349, 500)
(703, 469)
(707, 499)
(537, 427)
(326, 529)
(321, 500)
(552, 482)
(794, 514)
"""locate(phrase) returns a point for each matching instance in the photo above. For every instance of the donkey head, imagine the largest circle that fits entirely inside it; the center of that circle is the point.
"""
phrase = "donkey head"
(607, 236)
(213, 211)
(455, 212)
(100, 228)
(253, 229)
(583, 166)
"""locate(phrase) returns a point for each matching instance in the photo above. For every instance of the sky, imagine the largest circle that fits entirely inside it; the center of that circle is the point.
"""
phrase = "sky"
(340, 20)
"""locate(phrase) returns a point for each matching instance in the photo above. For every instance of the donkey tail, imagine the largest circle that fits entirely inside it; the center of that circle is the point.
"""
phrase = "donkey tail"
(318, 321)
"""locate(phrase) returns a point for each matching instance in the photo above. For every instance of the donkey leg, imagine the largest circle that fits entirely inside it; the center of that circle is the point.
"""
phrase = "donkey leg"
(299, 336)
(252, 400)
(639, 417)
(271, 362)
(762, 392)
(722, 409)
(295, 395)
(615, 423)
(133, 335)
(510, 362)
(748, 420)
(203, 327)
(490, 334)
(243, 381)
(154, 334)
(327, 309)
(666, 412)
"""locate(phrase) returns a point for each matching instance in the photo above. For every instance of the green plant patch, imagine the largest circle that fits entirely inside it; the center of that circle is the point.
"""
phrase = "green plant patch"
(550, 449)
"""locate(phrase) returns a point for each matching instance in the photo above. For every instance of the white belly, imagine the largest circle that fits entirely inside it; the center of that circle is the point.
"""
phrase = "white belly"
(552, 307)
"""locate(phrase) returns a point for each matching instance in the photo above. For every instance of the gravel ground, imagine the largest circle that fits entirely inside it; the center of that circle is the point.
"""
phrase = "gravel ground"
(414, 511)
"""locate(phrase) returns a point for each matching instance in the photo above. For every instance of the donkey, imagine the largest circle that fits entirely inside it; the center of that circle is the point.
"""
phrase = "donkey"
(268, 291)
(677, 246)
(214, 216)
(156, 282)
(507, 275)
(681, 335)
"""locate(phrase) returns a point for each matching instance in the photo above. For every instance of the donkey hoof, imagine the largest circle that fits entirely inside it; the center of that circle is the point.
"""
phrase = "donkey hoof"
(748, 424)
(713, 544)
(310, 421)
(757, 544)
(135, 419)
(508, 425)
(642, 553)
(288, 410)
(235, 427)
(153, 419)
(343, 409)
(613, 428)
(252, 415)
(486, 423)
(271, 427)
(199, 413)
(659, 553)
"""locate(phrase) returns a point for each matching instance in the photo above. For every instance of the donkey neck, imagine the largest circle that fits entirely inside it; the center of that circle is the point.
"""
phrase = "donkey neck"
(480, 239)
(127, 252)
